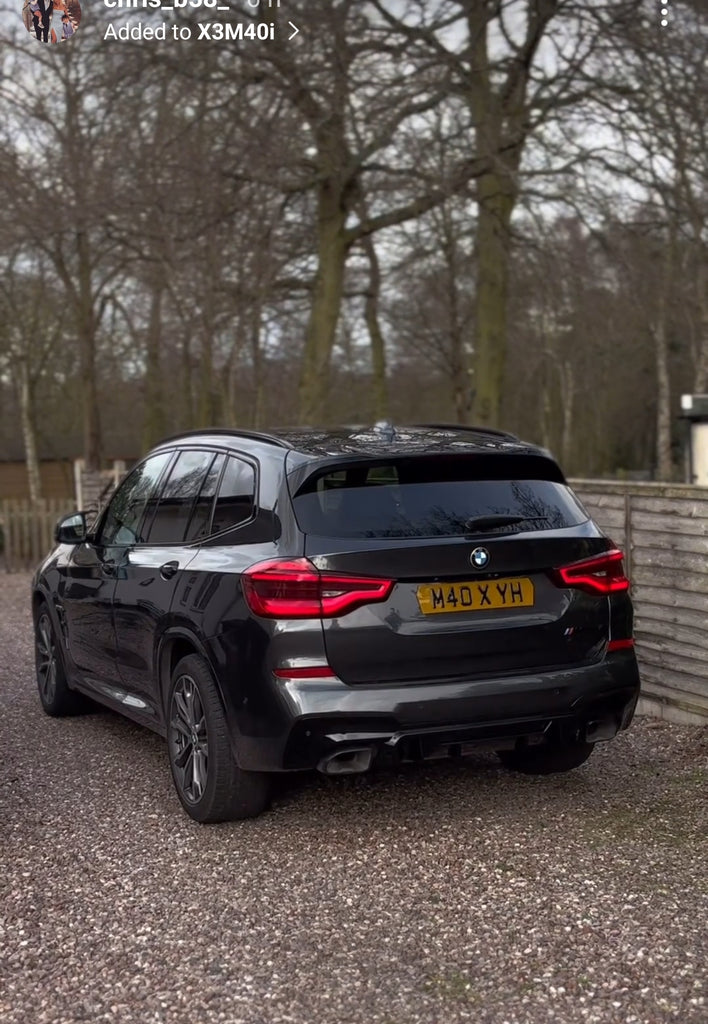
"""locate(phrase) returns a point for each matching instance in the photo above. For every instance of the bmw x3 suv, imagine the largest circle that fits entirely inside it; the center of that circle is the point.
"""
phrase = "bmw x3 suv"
(334, 599)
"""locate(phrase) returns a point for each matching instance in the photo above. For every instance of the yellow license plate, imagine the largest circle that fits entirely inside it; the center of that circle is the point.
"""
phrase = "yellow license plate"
(475, 595)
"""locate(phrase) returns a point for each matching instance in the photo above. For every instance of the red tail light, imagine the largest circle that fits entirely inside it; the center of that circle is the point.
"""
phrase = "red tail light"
(620, 645)
(305, 672)
(602, 574)
(296, 589)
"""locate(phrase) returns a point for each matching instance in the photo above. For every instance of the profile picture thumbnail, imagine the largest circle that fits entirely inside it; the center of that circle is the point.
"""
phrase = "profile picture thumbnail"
(51, 21)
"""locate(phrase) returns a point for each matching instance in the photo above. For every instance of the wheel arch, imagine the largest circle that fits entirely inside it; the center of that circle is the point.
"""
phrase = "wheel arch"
(47, 599)
(176, 643)
(39, 597)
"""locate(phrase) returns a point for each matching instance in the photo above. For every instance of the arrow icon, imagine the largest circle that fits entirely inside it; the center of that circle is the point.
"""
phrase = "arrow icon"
(295, 31)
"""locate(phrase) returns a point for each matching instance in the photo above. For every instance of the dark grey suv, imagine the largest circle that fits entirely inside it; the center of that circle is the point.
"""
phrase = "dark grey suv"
(332, 599)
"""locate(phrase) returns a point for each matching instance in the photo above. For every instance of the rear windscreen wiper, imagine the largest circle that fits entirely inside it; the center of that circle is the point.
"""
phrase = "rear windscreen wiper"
(479, 523)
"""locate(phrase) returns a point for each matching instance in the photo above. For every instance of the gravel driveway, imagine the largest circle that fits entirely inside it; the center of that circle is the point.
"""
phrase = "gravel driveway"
(453, 892)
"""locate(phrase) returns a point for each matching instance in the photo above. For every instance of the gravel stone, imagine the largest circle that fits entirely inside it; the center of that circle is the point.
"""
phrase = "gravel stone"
(449, 892)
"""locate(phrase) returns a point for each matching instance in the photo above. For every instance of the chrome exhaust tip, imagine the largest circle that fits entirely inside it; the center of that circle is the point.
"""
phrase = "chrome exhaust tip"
(347, 762)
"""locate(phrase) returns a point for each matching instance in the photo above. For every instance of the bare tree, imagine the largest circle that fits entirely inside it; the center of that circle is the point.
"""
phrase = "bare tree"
(31, 334)
(518, 67)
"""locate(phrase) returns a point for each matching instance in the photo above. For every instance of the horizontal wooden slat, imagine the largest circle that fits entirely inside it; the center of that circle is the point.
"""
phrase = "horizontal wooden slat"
(656, 595)
(662, 490)
(609, 503)
(660, 618)
(690, 582)
(669, 524)
(655, 647)
(682, 509)
(673, 685)
(660, 540)
(615, 515)
(672, 561)
(676, 637)
(666, 657)
(613, 522)
(607, 519)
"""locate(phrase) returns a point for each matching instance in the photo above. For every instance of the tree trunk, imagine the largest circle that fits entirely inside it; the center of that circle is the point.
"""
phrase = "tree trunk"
(547, 388)
(29, 433)
(664, 465)
(496, 203)
(701, 377)
(154, 424)
(206, 414)
(567, 380)
(186, 416)
(208, 403)
(459, 363)
(258, 367)
(461, 393)
(86, 329)
(205, 404)
(378, 346)
(332, 249)
(664, 461)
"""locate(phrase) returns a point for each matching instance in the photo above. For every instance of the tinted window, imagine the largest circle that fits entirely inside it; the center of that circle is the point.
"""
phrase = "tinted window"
(200, 523)
(431, 500)
(234, 503)
(178, 497)
(125, 513)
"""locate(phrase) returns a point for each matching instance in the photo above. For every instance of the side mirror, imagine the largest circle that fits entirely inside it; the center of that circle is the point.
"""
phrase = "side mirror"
(71, 529)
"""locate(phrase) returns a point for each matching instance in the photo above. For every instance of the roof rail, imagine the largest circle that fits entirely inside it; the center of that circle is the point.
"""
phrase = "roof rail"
(254, 435)
(462, 427)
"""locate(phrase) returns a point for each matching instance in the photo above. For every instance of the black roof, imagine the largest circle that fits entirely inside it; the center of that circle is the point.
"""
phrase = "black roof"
(380, 440)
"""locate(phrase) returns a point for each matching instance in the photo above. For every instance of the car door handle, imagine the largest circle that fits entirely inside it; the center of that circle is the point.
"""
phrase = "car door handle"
(168, 570)
(108, 567)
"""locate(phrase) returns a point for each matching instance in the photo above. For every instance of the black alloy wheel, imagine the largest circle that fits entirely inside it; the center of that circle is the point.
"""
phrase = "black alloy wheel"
(209, 783)
(188, 736)
(54, 693)
(46, 660)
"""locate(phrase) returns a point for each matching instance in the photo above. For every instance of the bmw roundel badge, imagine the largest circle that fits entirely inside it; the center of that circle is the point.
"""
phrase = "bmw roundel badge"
(480, 558)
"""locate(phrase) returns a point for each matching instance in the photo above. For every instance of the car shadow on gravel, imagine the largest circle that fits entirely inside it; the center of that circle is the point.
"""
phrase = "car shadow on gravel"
(635, 787)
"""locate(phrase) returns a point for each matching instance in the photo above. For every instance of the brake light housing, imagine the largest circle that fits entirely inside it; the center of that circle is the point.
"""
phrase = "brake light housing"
(296, 589)
(600, 575)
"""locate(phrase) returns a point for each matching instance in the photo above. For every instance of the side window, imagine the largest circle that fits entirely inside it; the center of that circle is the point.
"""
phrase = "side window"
(200, 523)
(178, 496)
(128, 505)
(235, 500)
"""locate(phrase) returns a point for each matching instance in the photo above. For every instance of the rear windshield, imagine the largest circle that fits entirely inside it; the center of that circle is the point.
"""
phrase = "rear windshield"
(435, 499)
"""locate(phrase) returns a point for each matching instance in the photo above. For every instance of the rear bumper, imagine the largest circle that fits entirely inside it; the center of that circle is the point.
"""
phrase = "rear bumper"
(320, 717)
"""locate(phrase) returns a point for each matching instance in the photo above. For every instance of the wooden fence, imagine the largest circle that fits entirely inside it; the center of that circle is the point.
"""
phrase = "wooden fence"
(663, 529)
(27, 532)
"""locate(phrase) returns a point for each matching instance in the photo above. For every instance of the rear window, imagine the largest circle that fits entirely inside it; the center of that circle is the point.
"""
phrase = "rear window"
(437, 498)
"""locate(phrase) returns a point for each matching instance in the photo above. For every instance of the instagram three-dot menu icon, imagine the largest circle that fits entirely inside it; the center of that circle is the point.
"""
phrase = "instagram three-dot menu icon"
(51, 21)
(664, 13)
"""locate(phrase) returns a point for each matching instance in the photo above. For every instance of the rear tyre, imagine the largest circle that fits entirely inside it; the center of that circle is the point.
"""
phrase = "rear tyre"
(548, 759)
(54, 693)
(210, 785)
